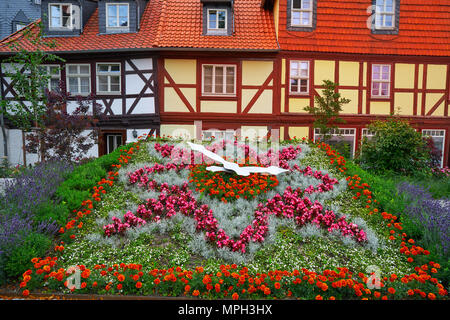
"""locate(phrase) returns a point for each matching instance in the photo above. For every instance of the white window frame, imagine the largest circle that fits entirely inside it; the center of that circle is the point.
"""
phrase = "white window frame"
(224, 93)
(299, 77)
(383, 13)
(21, 24)
(115, 135)
(61, 18)
(429, 132)
(301, 11)
(345, 132)
(366, 133)
(108, 74)
(381, 80)
(118, 26)
(52, 76)
(78, 75)
(217, 20)
(218, 134)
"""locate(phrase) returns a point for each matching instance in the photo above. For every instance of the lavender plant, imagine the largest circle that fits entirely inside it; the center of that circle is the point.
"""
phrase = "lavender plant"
(429, 216)
(18, 210)
(33, 188)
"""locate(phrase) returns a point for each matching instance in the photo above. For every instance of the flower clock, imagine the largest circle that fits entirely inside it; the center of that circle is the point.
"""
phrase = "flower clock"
(291, 193)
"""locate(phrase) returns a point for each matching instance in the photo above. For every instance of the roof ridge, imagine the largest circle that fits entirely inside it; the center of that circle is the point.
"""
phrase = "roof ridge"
(162, 7)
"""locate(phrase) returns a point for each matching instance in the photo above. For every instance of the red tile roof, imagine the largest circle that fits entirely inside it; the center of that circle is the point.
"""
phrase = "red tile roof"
(181, 26)
(90, 40)
(168, 24)
(342, 28)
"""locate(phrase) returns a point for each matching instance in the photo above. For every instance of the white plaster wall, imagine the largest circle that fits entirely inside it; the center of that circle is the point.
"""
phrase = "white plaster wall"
(134, 85)
(141, 64)
(116, 106)
(145, 105)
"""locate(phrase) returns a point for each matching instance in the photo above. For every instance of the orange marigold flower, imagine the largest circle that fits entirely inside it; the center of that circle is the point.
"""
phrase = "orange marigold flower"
(235, 296)
(26, 293)
(138, 284)
(195, 293)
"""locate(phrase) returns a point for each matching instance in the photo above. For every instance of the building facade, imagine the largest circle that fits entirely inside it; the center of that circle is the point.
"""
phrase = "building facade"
(221, 67)
(106, 54)
(16, 14)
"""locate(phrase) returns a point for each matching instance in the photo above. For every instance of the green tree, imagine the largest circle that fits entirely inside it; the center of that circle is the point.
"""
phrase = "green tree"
(29, 81)
(326, 109)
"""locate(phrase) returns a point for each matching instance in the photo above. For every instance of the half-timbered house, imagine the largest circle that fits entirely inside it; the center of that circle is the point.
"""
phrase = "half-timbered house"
(222, 67)
(387, 56)
(255, 65)
(217, 68)
(107, 50)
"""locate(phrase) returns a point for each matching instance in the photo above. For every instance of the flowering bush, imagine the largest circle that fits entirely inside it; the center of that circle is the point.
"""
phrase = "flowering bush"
(441, 172)
(227, 187)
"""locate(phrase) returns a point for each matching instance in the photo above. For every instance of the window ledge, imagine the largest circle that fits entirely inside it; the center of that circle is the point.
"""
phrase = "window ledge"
(296, 95)
(217, 33)
(218, 97)
(112, 93)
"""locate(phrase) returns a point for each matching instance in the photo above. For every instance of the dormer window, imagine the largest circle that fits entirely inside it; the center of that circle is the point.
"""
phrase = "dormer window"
(60, 16)
(385, 14)
(302, 13)
(217, 19)
(117, 15)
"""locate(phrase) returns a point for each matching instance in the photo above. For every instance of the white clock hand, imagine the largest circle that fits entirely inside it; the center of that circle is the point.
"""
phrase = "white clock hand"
(231, 166)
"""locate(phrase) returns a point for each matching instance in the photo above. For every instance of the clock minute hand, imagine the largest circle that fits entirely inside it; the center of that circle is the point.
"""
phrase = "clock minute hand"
(231, 166)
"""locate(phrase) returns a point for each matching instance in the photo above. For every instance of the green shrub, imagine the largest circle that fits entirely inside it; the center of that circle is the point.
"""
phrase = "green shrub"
(395, 147)
(77, 187)
(35, 245)
(52, 211)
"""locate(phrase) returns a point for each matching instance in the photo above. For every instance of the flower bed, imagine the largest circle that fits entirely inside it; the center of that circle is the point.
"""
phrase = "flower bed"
(295, 199)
